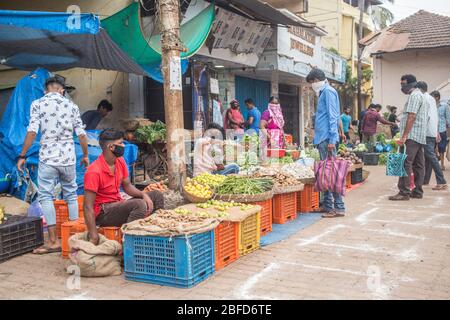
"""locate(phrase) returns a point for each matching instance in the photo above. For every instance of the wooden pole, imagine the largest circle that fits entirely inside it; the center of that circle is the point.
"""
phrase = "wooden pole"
(360, 51)
(169, 21)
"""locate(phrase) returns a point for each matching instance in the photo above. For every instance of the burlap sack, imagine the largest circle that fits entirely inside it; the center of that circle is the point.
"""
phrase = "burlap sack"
(14, 206)
(160, 226)
(102, 260)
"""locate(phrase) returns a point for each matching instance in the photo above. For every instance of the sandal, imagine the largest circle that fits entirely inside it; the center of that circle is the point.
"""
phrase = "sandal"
(46, 250)
(440, 187)
(331, 214)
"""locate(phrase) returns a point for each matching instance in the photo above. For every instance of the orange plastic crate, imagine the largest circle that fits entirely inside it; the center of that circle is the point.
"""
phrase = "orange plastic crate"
(307, 199)
(284, 207)
(62, 213)
(69, 228)
(266, 215)
(226, 243)
(112, 233)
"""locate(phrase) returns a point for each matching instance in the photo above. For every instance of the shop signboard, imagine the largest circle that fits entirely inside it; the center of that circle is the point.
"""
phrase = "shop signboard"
(334, 66)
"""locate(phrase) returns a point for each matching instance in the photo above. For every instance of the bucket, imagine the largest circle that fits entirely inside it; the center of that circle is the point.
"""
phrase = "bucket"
(5, 183)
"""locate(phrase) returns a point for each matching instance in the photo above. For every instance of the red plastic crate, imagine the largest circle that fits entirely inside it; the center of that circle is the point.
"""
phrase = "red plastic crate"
(112, 233)
(284, 207)
(266, 215)
(62, 213)
(307, 199)
(226, 243)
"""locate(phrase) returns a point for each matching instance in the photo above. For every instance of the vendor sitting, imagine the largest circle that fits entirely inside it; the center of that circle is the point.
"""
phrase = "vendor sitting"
(103, 204)
(208, 153)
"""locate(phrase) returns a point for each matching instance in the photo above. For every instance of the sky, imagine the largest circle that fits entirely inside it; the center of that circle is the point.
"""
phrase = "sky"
(404, 8)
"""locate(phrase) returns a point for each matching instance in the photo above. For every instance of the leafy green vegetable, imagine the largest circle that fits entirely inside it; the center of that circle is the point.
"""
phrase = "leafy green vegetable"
(243, 185)
(152, 133)
(381, 138)
(382, 159)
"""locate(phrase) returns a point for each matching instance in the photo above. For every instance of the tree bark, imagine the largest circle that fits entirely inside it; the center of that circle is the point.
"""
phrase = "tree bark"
(169, 18)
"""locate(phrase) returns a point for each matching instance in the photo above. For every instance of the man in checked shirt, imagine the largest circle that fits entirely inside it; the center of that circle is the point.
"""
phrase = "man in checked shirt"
(57, 118)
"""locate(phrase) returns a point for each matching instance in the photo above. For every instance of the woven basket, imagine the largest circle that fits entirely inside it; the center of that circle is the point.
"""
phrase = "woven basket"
(244, 198)
(288, 189)
(194, 199)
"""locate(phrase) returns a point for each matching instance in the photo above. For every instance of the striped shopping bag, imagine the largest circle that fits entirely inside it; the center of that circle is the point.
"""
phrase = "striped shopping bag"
(331, 175)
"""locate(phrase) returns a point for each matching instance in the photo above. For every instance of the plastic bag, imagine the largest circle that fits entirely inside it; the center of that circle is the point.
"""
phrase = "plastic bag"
(395, 166)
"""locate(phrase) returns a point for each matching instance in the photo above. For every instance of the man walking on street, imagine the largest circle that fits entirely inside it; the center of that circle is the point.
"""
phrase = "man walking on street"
(443, 126)
(326, 134)
(57, 118)
(413, 132)
(431, 159)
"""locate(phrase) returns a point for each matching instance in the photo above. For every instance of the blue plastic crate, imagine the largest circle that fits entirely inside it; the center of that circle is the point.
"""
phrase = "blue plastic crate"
(178, 261)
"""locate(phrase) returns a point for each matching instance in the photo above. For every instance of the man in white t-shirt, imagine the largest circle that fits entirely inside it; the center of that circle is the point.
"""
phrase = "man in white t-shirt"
(433, 137)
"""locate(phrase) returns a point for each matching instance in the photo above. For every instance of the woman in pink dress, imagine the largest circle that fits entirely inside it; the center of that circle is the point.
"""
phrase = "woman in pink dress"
(272, 123)
(234, 120)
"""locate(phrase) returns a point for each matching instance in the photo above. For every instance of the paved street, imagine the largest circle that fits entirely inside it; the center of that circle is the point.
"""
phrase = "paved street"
(381, 250)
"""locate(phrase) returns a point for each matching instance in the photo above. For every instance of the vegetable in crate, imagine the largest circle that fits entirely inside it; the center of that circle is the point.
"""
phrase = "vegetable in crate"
(152, 133)
(244, 185)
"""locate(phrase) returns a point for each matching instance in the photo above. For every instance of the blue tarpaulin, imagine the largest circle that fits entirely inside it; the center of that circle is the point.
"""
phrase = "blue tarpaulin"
(59, 41)
(13, 129)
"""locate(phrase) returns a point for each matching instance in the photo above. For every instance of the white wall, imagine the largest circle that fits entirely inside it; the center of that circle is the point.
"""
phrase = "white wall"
(431, 66)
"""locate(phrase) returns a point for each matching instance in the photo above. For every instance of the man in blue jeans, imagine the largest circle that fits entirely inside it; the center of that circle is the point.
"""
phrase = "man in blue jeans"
(326, 134)
(57, 118)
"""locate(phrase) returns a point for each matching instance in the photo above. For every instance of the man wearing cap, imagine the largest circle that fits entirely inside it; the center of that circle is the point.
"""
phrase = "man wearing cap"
(57, 118)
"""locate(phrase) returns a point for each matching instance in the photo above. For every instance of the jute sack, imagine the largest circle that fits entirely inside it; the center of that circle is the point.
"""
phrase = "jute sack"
(95, 261)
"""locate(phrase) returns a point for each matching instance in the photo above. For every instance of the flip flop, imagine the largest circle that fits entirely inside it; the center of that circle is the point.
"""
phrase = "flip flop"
(440, 187)
(46, 249)
(329, 215)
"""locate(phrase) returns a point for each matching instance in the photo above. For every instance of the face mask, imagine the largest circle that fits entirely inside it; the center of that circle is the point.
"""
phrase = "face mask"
(318, 86)
(407, 87)
(119, 151)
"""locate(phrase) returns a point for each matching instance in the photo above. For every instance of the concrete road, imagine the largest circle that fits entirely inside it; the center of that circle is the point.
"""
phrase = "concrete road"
(380, 250)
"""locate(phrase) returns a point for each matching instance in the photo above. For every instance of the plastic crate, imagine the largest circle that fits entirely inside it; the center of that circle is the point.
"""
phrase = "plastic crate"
(307, 199)
(266, 215)
(112, 233)
(249, 234)
(226, 243)
(357, 176)
(284, 207)
(178, 261)
(371, 159)
(348, 180)
(19, 235)
(69, 228)
(62, 213)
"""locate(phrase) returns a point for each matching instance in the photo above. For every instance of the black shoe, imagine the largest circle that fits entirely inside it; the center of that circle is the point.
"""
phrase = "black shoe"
(416, 196)
(399, 197)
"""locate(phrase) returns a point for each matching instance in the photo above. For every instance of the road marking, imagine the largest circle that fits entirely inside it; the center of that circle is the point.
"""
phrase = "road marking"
(395, 233)
(327, 231)
(243, 291)
(363, 217)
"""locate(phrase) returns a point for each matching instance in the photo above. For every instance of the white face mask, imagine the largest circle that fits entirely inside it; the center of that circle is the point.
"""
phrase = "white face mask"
(318, 86)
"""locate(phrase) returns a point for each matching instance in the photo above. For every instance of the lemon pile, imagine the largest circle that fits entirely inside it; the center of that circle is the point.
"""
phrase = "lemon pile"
(212, 180)
(197, 189)
(224, 206)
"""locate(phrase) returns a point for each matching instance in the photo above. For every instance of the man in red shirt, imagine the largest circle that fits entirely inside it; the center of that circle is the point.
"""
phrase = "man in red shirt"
(369, 125)
(103, 204)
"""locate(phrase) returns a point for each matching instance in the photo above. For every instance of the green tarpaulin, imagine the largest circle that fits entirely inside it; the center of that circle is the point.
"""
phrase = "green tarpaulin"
(125, 29)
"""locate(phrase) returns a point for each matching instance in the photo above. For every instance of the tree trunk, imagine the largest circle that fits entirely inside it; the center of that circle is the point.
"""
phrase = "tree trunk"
(360, 50)
(169, 18)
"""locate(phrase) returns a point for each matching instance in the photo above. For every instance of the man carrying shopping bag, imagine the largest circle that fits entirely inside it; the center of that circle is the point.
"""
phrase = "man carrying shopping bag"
(413, 132)
(326, 135)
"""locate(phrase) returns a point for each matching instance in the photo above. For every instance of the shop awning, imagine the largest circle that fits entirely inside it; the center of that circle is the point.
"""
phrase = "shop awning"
(59, 41)
(125, 29)
(260, 11)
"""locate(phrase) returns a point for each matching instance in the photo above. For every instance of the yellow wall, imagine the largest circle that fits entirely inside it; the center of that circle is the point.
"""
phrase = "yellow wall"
(91, 85)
